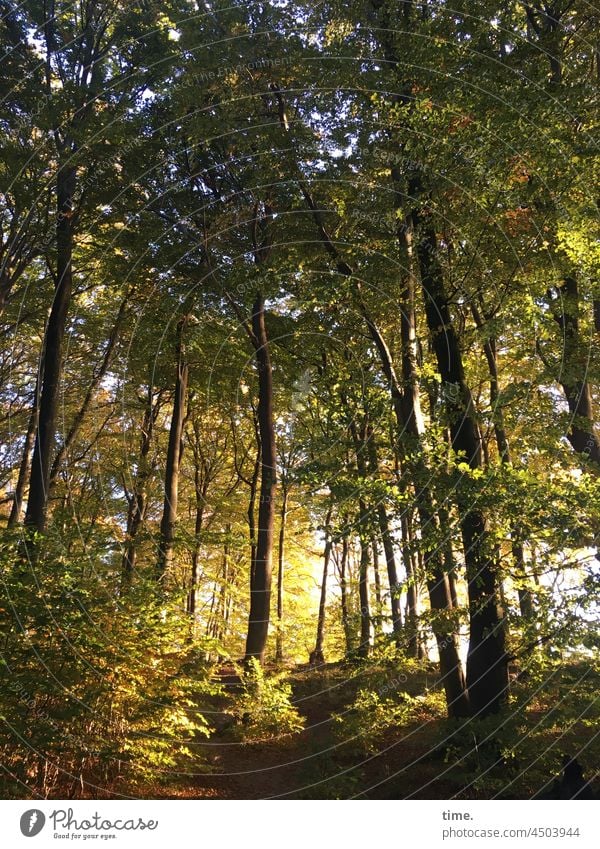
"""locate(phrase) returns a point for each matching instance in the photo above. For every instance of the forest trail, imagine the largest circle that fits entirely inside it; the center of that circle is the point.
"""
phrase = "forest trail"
(315, 762)
(278, 767)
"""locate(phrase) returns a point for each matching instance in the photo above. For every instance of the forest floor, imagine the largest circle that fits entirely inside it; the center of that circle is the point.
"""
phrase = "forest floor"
(336, 757)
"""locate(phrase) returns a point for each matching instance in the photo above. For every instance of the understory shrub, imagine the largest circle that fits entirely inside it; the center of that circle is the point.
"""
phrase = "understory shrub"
(263, 707)
(96, 689)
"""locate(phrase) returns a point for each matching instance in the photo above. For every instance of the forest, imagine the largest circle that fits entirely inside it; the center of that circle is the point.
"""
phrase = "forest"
(299, 385)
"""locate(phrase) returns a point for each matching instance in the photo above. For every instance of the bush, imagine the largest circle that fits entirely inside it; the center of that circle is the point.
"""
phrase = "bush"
(371, 716)
(264, 706)
(95, 689)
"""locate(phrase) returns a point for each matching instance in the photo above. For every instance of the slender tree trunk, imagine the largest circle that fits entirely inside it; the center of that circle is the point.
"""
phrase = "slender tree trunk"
(52, 358)
(412, 595)
(452, 582)
(392, 573)
(526, 607)
(260, 593)
(377, 619)
(174, 452)
(360, 447)
(135, 519)
(201, 489)
(388, 549)
(251, 512)
(280, 572)
(222, 600)
(316, 655)
(210, 619)
(233, 575)
(448, 554)
(364, 646)
(344, 598)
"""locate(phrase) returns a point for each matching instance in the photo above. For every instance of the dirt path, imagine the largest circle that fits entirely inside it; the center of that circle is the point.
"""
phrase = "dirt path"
(312, 764)
(279, 767)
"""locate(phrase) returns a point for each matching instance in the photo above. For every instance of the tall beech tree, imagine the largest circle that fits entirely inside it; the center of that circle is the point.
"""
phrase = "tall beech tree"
(260, 590)
(77, 77)
(487, 666)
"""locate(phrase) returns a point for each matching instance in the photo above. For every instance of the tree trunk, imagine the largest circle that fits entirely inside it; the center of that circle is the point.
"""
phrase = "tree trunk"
(280, 571)
(201, 484)
(260, 592)
(392, 573)
(360, 447)
(210, 619)
(364, 646)
(412, 595)
(377, 619)
(452, 582)
(388, 549)
(344, 598)
(174, 452)
(251, 512)
(222, 599)
(316, 655)
(487, 669)
(52, 358)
